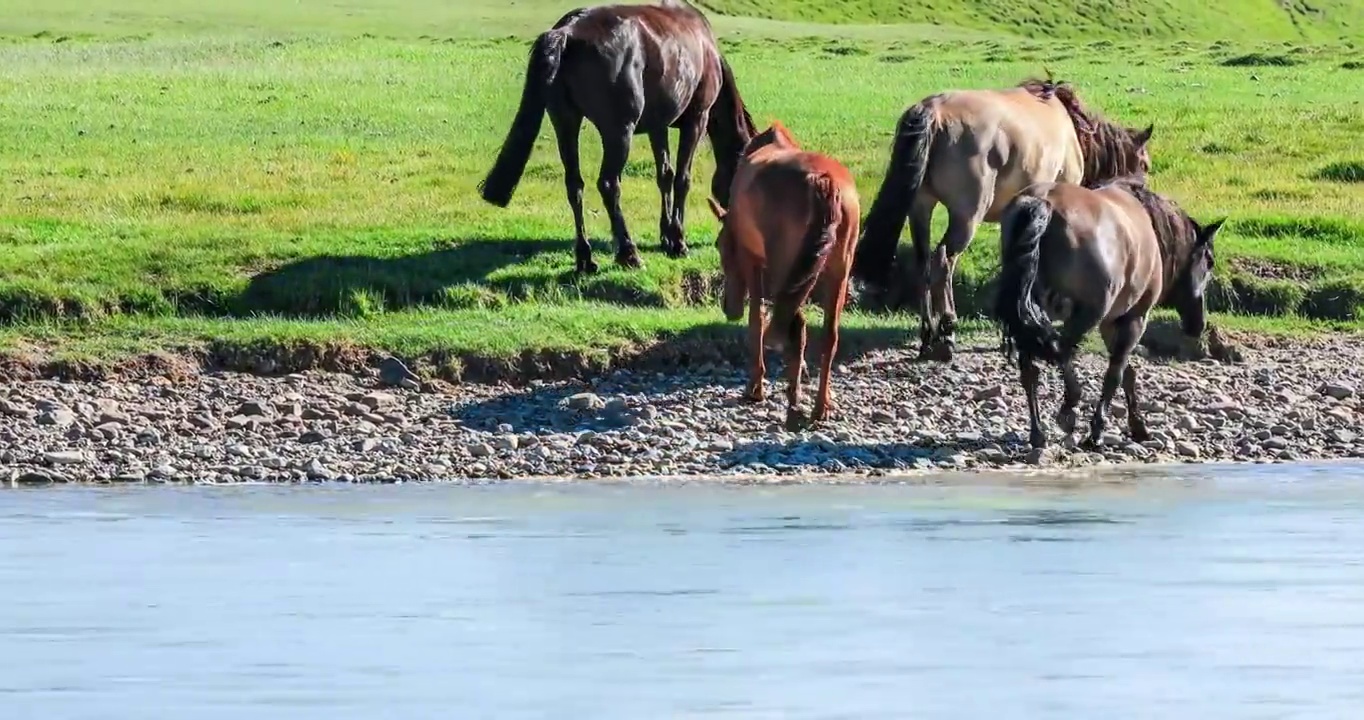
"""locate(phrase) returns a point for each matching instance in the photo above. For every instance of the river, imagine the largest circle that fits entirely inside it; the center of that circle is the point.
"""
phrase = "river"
(1200, 592)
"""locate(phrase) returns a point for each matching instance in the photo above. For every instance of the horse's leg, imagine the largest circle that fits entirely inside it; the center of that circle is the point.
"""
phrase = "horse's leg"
(795, 359)
(833, 309)
(757, 368)
(1029, 375)
(1083, 318)
(663, 166)
(567, 126)
(1136, 424)
(920, 228)
(1121, 338)
(688, 140)
(615, 152)
(961, 228)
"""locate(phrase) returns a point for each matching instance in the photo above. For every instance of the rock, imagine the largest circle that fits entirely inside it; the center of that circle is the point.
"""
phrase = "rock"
(66, 457)
(317, 471)
(882, 417)
(1187, 449)
(585, 401)
(505, 442)
(392, 372)
(58, 418)
(480, 450)
(1337, 390)
(1342, 436)
(376, 400)
(1275, 443)
(312, 437)
(243, 422)
(721, 446)
(1037, 456)
(255, 408)
(988, 393)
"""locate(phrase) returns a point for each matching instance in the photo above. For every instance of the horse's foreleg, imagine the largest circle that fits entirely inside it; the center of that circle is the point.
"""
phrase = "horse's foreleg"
(795, 359)
(664, 175)
(567, 127)
(688, 140)
(1029, 376)
(920, 229)
(960, 230)
(615, 152)
(1121, 337)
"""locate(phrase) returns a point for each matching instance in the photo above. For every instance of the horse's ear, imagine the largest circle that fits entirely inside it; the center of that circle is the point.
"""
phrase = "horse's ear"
(1142, 137)
(716, 209)
(1207, 232)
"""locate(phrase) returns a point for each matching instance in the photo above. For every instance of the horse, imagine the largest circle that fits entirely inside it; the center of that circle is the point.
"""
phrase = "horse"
(790, 231)
(1098, 257)
(630, 70)
(973, 150)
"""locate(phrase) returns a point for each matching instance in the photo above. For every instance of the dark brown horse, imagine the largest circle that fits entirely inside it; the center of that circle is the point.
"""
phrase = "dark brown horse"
(790, 233)
(972, 151)
(630, 70)
(1101, 257)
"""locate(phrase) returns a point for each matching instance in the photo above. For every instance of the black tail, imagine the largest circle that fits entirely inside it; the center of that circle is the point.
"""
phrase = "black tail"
(545, 58)
(1025, 324)
(908, 165)
(819, 240)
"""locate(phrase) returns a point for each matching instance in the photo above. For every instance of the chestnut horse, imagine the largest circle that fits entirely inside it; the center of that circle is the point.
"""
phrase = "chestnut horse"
(972, 151)
(630, 70)
(792, 225)
(1098, 257)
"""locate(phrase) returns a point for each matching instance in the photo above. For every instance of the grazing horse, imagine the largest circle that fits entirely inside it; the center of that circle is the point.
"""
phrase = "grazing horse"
(1098, 257)
(792, 225)
(631, 70)
(972, 151)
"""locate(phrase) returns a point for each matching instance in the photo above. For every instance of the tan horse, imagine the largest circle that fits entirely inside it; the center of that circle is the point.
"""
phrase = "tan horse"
(792, 225)
(1101, 257)
(972, 151)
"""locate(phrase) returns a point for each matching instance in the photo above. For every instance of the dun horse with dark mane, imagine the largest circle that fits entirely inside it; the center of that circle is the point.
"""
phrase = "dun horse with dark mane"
(630, 70)
(790, 231)
(1098, 257)
(972, 151)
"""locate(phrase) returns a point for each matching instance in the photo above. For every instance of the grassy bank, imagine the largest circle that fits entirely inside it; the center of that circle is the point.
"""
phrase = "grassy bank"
(257, 173)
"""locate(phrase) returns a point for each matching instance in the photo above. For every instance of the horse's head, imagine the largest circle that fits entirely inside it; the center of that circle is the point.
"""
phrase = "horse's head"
(1188, 297)
(736, 287)
(1140, 155)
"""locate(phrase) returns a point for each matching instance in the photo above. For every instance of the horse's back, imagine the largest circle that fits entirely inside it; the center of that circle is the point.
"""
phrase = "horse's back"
(1006, 139)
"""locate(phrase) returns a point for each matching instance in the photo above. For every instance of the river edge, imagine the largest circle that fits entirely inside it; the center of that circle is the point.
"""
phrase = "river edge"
(1283, 401)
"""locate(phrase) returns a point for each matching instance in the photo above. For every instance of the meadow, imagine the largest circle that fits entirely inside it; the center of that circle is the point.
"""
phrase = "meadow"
(261, 175)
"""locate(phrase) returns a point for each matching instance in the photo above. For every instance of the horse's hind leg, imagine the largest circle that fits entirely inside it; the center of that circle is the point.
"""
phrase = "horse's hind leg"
(1083, 318)
(615, 150)
(1121, 337)
(833, 309)
(663, 167)
(1029, 376)
(795, 359)
(1136, 424)
(756, 324)
(688, 140)
(567, 127)
(920, 227)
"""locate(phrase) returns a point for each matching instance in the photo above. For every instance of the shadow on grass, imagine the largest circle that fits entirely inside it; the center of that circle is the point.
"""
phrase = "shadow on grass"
(477, 273)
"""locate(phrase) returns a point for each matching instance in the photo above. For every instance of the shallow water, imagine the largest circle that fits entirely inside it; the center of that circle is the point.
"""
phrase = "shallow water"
(1192, 592)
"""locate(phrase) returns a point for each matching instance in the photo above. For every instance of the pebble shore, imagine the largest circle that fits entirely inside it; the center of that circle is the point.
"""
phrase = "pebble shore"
(892, 416)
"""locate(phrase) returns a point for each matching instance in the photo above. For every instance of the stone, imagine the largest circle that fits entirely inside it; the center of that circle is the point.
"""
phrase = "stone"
(480, 450)
(375, 400)
(393, 372)
(1187, 449)
(585, 401)
(317, 471)
(243, 422)
(57, 418)
(882, 417)
(255, 408)
(1342, 436)
(988, 393)
(1338, 390)
(66, 457)
(505, 442)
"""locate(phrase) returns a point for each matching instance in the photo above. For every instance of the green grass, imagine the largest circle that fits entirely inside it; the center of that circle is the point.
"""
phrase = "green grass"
(180, 173)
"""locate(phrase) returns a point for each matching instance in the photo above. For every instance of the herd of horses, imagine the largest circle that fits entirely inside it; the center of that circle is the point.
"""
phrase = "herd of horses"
(1084, 240)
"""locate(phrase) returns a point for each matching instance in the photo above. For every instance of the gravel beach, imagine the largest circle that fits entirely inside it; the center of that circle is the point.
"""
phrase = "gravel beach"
(892, 416)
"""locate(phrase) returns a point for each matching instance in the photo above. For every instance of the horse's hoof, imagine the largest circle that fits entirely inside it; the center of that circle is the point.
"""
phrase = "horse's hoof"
(795, 421)
(678, 250)
(629, 259)
(587, 268)
(1090, 443)
(820, 414)
(755, 394)
(1140, 434)
(1038, 440)
(1066, 421)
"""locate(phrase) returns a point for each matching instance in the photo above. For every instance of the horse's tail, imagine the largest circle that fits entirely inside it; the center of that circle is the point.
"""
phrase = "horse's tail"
(826, 205)
(545, 57)
(1024, 322)
(886, 220)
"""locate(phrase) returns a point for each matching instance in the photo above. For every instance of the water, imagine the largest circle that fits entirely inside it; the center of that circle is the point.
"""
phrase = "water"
(1208, 593)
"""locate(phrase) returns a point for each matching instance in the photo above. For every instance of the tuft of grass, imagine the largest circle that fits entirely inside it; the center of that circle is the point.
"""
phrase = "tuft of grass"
(1259, 60)
(1349, 171)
